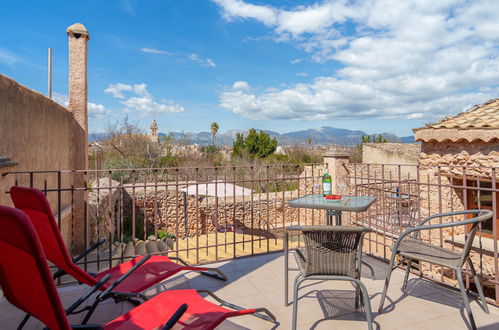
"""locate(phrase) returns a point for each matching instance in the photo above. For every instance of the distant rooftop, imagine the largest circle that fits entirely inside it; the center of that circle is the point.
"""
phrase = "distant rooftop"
(411, 149)
(479, 123)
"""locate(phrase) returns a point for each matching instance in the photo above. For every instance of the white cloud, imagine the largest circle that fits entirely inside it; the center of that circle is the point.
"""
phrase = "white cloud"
(208, 62)
(302, 74)
(155, 51)
(97, 111)
(296, 61)
(8, 57)
(240, 85)
(396, 59)
(233, 9)
(116, 89)
(62, 99)
(142, 102)
(203, 61)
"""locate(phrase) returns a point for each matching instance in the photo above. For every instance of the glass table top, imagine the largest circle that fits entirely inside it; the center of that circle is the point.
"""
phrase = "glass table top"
(348, 203)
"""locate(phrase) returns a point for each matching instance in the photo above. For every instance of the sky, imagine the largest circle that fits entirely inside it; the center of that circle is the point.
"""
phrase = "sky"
(282, 65)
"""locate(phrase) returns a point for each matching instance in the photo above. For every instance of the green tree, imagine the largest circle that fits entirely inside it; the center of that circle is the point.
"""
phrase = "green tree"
(375, 139)
(238, 147)
(366, 138)
(380, 139)
(167, 142)
(255, 145)
(214, 130)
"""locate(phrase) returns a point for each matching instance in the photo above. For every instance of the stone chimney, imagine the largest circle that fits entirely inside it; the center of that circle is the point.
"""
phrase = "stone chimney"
(78, 102)
(78, 86)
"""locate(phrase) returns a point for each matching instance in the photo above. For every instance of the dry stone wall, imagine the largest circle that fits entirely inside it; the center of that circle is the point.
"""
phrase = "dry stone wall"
(261, 213)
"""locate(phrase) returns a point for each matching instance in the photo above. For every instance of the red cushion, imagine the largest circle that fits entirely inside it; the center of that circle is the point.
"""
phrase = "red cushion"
(153, 271)
(200, 314)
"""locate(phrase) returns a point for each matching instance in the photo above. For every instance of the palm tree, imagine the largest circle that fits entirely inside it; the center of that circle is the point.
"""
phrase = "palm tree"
(214, 130)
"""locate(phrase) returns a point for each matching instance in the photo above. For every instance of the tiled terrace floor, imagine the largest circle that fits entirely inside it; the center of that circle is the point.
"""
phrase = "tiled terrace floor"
(258, 282)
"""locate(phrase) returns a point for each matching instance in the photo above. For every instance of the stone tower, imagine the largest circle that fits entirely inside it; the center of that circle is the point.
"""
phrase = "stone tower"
(78, 86)
(154, 132)
(78, 102)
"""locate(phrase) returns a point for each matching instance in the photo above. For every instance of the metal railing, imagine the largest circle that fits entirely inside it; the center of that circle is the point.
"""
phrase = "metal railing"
(406, 194)
(202, 214)
(206, 214)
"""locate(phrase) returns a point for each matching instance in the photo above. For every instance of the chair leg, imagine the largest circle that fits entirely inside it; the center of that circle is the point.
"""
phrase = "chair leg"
(478, 286)
(357, 296)
(215, 273)
(286, 276)
(465, 298)
(408, 270)
(387, 281)
(298, 281)
(23, 322)
(365, 300)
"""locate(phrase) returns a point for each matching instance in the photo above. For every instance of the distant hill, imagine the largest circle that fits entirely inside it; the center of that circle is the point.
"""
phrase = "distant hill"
(407, 139)
(321, 136)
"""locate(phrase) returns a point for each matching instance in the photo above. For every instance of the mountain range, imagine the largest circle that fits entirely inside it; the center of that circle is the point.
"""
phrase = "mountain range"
(320, 136)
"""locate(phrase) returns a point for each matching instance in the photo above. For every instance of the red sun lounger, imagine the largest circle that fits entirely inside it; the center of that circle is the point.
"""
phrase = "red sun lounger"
(27, 283)
(129, 278)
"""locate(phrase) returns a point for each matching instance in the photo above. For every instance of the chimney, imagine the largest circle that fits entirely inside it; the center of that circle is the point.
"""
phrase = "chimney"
(78, 86)
(78, 101)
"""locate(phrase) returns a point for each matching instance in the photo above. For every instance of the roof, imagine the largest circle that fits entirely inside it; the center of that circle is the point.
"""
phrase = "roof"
(479, 123)
(411, 149)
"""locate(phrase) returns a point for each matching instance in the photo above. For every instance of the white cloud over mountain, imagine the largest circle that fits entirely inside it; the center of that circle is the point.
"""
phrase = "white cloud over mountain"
(417, 59)
(142, 101)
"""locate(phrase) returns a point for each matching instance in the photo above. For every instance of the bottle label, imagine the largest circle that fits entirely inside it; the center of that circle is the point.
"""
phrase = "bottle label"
(326, 188)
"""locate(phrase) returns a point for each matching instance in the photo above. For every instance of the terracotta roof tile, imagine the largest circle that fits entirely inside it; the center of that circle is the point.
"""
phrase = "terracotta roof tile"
(479, 116)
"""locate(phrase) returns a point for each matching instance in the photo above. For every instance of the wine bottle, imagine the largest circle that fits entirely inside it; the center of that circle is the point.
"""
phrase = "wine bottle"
(326, 184)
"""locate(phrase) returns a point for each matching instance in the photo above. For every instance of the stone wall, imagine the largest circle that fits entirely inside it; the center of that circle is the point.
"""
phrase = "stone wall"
(37, 134)
(443, 162)
(392, 153)
(261, 213)
(479, 154)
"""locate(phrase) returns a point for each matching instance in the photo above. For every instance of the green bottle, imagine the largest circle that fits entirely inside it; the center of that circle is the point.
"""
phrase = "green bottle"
(327, 184)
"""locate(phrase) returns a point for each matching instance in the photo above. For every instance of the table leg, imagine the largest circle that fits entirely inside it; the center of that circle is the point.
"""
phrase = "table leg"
(330, 214)
(329, 217)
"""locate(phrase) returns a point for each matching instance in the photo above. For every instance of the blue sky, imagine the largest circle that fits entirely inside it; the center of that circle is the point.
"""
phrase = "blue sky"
(378, 66)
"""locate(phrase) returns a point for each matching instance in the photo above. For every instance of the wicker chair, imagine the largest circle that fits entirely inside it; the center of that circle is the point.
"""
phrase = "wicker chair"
(330, 253)
(413, 249)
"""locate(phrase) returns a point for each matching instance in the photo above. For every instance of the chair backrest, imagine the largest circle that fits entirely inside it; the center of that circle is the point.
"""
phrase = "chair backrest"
(24, 274)
(333, 250)
(36, 206)
(480, 216)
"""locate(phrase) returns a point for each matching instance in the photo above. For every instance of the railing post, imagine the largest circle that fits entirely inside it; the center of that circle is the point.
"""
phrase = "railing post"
(6, 181)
